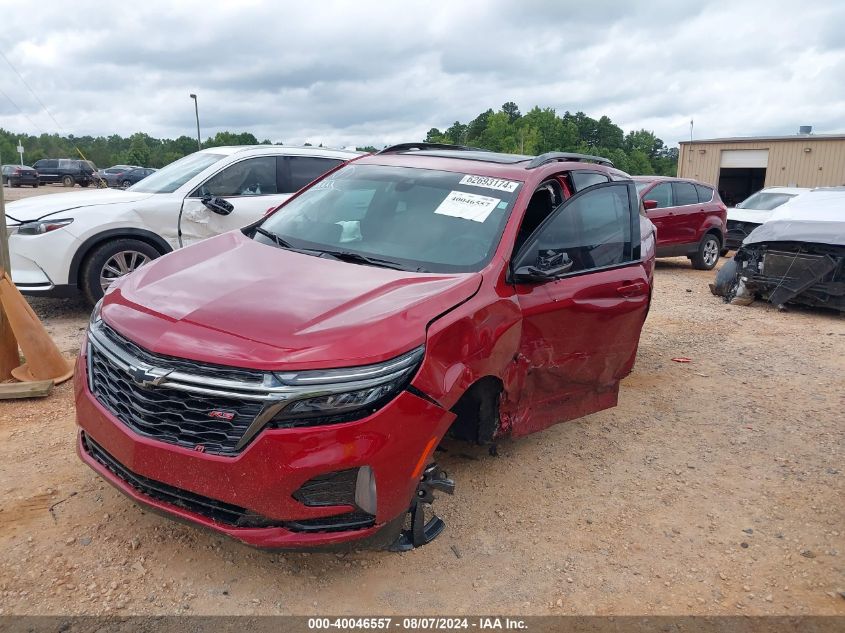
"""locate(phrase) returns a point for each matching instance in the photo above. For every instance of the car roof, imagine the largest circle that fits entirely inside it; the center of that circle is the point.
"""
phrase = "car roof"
(792, 190)
(459, 159)
(282, 150)
(669, 179)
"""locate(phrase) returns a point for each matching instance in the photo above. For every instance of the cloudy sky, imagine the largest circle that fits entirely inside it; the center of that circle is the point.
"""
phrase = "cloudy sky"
(362, 72)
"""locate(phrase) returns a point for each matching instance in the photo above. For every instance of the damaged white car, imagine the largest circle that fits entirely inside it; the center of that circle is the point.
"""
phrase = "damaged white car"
(798, 256)
(67, 243)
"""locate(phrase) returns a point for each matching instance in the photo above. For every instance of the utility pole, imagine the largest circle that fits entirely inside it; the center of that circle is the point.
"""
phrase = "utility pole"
(197, 112)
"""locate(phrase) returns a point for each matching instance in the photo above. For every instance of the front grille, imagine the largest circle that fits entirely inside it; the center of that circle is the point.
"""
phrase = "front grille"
(199, 421)
(219, 511)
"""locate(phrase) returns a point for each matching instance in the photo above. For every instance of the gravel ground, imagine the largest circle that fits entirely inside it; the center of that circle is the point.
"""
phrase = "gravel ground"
(715, 487)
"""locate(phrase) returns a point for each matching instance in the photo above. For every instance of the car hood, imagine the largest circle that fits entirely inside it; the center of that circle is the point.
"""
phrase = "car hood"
(37, 207)
(232, 301)
(756, 216)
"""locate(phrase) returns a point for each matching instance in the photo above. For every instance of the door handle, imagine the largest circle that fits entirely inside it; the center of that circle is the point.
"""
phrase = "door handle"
(635, 289)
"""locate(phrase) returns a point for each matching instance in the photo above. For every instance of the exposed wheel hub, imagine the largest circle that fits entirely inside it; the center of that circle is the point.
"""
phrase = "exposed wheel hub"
(422, 531)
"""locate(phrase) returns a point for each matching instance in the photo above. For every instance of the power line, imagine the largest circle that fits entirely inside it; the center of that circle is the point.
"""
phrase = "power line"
(26, 83)
(24, 114)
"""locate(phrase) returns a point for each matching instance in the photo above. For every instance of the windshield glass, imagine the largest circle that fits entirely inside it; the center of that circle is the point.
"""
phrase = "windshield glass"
(169, 179)
(422, 219)
(765, 201)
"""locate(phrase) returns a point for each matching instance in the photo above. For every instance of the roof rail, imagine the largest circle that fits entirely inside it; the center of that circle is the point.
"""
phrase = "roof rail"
(550, 157)
(404, 147)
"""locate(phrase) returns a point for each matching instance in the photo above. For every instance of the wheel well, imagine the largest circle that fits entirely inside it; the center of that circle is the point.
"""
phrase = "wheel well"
(477, 411)
(718, 235)
(88, 247)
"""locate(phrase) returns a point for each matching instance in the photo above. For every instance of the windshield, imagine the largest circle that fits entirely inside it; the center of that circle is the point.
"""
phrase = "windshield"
(420, 219)
(765, 201)
(169, 179)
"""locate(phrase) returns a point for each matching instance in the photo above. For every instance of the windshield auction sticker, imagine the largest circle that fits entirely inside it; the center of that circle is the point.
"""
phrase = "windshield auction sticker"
(490, 183)
(468, 206)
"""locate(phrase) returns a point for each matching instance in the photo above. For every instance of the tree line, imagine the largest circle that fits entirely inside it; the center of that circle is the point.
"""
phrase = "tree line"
(541, 130)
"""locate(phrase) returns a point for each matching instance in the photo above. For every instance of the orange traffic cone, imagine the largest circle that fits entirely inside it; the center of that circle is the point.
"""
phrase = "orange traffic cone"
(44, 361)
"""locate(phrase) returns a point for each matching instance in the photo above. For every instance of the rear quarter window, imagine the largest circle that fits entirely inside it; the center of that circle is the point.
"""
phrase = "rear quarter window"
(705, 194)
(685, 193)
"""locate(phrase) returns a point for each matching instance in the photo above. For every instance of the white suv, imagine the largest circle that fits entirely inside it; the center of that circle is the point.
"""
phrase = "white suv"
(68, 243)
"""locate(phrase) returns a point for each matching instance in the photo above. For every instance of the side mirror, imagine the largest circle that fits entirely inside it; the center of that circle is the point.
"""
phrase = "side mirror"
(648, 205)
(550, 265)
(218, 205)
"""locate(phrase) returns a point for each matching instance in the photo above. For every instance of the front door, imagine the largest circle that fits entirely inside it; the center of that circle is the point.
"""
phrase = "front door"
(249, 185)
(664, 215)
(580, 331)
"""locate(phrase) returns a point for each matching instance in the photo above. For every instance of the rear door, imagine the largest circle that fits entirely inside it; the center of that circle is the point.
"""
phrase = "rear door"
(663, 216)
(580, 331)
(689, 213)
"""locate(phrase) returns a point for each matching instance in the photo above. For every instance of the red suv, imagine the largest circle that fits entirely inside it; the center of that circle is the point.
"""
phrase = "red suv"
(287, 384)
(690, 217)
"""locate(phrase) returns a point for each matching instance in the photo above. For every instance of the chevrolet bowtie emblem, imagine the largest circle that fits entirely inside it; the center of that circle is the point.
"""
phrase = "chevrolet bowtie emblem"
(144, 377)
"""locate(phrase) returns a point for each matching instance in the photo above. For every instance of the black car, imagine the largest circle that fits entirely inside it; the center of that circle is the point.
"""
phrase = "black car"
(131, 176)
(17, 175)
(67, 171)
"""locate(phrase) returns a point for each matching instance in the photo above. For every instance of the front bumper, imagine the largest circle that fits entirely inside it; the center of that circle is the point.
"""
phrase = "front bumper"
(262, 479)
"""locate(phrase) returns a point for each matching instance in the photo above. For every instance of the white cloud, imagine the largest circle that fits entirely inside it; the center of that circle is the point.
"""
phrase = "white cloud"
(346, 73)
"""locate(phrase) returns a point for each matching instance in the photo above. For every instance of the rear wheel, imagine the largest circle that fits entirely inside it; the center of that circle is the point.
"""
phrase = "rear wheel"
(67, 181)
(126, 183)
(707, 255)
(110, 261)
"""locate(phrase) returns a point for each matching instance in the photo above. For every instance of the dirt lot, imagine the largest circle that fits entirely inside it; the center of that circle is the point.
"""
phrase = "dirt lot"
(715, 487)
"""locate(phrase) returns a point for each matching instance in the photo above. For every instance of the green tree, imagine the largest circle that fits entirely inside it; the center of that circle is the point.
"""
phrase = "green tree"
(139, 151)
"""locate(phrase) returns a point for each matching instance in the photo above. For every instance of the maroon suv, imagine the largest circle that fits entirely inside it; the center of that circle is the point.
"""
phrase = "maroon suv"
(287, 384)
(690, 218)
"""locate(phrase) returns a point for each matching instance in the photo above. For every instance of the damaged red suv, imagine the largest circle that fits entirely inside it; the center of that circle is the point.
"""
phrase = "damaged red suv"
(288, 383)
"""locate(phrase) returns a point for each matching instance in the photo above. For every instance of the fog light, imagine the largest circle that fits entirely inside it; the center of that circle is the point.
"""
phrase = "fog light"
(365, 490)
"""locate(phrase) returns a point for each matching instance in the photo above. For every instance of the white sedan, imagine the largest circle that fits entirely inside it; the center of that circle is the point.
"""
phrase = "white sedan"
(67, 243)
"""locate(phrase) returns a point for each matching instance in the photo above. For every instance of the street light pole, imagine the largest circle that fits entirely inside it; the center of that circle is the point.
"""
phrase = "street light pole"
(197, 112)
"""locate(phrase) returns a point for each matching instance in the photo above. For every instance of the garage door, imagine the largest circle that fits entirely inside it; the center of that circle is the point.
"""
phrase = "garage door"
(745, 158)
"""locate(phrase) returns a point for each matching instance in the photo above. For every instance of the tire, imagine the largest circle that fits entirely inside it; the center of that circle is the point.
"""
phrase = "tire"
(35, 186)
(111, 260)
(67, 181)
(85, 183)
(707, 254)
(126, 183)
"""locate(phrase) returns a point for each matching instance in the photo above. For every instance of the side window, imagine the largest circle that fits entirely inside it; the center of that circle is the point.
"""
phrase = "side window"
(65, 163)
(684, 194)
(705, 194)
(50, 164)
(662, 193)
(583, 179)
(250, 177)
(298, 171)
(591, 230)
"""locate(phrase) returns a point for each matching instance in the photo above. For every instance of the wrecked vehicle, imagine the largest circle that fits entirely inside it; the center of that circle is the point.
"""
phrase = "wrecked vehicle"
(754, 211)
(287, 384)
(798, 256)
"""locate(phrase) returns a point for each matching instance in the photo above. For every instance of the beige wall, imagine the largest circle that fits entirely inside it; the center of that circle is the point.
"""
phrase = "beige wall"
(823, 166)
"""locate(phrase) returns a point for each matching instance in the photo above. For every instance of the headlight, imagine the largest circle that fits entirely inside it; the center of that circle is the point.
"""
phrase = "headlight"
(341, 395)
(42, 226)
(95, 315)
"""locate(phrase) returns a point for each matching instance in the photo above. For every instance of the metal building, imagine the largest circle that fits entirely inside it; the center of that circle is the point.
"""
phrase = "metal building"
(741, 166)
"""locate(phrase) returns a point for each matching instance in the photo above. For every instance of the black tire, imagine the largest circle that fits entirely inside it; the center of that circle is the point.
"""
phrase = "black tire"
(126, 183)
(85, 183)
(16, 185)
(67, 181)
(95, 264)
(707, 255)
(35, 186)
